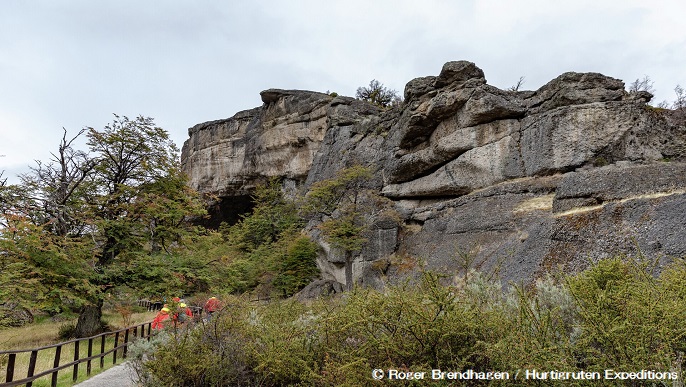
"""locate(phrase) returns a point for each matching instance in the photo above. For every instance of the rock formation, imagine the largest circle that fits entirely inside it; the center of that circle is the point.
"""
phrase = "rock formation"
(522, 181)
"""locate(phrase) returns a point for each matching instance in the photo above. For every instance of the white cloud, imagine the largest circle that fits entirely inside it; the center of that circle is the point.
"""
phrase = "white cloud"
(74, 63)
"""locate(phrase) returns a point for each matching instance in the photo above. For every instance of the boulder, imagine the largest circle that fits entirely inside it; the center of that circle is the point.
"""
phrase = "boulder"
(13, 315)
(318, 289)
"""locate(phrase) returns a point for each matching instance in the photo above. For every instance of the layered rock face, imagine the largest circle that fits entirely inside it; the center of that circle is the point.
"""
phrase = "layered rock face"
(521, 181)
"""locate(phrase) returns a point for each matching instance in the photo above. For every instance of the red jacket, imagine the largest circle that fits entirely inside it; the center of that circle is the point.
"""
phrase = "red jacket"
(157, 323)
(212, 305)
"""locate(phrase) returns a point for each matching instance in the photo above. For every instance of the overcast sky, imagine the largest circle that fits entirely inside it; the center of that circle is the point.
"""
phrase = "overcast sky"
(73, 63)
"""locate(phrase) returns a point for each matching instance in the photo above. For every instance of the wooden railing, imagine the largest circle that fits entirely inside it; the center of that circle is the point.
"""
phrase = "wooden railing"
(151, 306)
(157, 305)
(135, 331)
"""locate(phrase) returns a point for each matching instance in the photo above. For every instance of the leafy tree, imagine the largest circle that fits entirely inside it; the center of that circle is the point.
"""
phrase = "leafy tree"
(42, 220)
(15, 205)
(298, 266)
(377, 94)
(162, 209)
(272, 215)
(140, 203)
(132, 156)
(84, 224)
(339, 201)
(42, 270)
(270, 255)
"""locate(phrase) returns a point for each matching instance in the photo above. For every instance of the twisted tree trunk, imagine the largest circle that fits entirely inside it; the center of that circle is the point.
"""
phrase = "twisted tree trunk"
(89, 323)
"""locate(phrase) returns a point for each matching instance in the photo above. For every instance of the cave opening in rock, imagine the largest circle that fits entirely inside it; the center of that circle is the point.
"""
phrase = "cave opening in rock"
(227, 209)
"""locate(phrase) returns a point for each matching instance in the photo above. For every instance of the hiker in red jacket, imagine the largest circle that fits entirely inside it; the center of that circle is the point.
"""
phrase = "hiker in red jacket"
(212, 305)
(162, 315)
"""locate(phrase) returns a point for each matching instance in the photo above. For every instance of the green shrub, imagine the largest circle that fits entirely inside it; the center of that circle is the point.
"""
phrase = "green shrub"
(139, 352)
(66, 331)
(298, 266)
(629, 318)
(614, 315)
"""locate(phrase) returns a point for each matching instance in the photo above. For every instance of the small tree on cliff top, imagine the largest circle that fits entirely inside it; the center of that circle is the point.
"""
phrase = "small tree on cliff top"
(377, 94)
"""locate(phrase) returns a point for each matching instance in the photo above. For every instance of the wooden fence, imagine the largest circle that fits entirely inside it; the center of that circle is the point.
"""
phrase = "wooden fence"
(123, 335)
(157, 305)
(151, 306)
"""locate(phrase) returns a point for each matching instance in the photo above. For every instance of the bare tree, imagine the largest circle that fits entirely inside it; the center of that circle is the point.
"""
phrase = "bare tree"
(58, 186)
(680, 101)
(679, 105)
(645, 84)
(517, 85)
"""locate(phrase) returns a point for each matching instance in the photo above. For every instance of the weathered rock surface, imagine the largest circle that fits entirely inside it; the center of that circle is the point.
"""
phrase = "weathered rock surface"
(527, 181)
(319, 288)
(13, 315)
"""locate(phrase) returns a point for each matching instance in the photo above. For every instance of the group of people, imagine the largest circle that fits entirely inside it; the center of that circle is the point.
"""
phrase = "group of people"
(178, 313)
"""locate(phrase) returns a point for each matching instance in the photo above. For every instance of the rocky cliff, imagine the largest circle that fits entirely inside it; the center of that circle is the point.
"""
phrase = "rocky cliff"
(525, 181)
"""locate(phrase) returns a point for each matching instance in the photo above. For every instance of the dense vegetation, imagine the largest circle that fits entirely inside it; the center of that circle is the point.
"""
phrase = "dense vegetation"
(616, 315)
(114, 223)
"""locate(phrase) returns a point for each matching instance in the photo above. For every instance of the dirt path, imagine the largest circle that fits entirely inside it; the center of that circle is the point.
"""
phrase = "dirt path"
(118, 375)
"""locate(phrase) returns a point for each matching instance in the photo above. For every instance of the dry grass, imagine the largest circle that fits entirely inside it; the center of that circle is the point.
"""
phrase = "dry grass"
(653, 195)
(579, 210)
(541, 203)
(46, 333)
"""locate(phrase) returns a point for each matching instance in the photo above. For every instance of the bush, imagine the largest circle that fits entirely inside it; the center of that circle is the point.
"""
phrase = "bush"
(139, 352)
(628, 316)
(298, 266)
(377, 94)
(66, 332)
(614, 315)
(214, 353)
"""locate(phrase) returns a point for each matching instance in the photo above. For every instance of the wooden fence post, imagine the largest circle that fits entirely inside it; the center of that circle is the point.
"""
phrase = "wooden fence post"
(10, 367)
(32, 366)
(55, 364)
(126, 343)
(75, 374)
(102, 350)
(90, 353)
(116, 341)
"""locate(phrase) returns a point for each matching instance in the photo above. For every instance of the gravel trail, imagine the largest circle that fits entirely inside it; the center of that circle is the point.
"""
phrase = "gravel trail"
(118, 376)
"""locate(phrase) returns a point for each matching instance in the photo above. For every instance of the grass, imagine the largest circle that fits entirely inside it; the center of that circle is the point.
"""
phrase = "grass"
(647, 196)
(541, 203)
(46, 333)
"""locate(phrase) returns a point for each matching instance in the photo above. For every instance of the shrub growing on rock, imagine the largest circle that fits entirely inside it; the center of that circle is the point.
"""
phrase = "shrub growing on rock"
(377, 94)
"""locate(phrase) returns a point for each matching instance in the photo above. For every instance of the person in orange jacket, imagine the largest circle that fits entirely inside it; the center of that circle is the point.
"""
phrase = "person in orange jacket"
(212, 305)
(162, 315)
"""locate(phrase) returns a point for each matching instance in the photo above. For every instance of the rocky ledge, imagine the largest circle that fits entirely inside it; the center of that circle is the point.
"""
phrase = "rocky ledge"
(524, 181)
